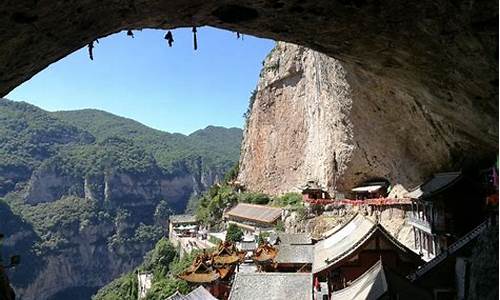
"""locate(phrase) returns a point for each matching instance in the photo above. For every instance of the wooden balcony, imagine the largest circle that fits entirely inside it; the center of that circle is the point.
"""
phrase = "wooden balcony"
(417, 222)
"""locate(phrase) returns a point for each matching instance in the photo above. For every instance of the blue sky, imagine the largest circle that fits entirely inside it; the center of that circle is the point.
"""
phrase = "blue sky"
(173, 89)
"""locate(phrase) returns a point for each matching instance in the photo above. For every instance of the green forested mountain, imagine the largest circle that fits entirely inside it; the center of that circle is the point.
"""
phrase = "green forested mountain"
(214, 144)
(93, 190)
(92, 140)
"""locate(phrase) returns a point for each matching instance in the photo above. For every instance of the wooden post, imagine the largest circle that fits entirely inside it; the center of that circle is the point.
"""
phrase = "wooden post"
(420, 240)
(415, 237)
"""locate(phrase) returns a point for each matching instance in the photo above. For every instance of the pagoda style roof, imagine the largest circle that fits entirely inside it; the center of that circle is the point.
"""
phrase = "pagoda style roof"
(255, 213)
(227, 254)
(295, 254)
(205, 274)
(265, 253)
(294, 238)
(202, 270)
(380, 283)
(439, 182)
(275, 286)
(182, 219)
(346, 240)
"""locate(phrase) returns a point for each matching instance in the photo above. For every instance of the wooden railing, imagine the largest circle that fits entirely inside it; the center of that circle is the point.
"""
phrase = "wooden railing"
(451, 250)
(419, 223)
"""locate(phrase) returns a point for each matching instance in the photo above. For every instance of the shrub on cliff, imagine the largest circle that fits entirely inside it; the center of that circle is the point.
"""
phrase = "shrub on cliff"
(254, 198)
(212, 204)
(292, 199)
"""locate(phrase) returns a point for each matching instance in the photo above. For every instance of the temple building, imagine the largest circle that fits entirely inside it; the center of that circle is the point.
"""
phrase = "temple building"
(236, 185)
(275, 286)
(227, 254)
(182, 226)
(380, 282)
(313, 193)
(253, 218)
(444, 208)
(203, 271)
(295, 252)
(371, 190)
(264, 257)
(294, 258)
(214, 270)
(355, 247)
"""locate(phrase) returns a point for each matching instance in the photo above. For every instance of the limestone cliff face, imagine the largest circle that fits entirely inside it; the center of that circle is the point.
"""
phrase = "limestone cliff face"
(48, 184)
(316, 118)
(94, 250)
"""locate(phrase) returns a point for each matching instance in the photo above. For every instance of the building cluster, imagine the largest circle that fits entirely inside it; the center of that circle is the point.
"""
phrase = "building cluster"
(358, 259)
(185, 232)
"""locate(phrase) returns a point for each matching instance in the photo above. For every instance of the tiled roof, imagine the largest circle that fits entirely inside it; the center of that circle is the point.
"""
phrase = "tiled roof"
(294, 238)
(347, 239)
(248, 246)
(378, 282)
(275, 286)
(295, 254)
(331, 249)
(176, 296)
(437, 183)
(256, 213)
(182, 219)
(200, 293)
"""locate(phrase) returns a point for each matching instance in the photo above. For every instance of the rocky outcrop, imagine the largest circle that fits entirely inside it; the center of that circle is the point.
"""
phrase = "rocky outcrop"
(49, 183)
(91, 253)
(316, 118)
(86, 264)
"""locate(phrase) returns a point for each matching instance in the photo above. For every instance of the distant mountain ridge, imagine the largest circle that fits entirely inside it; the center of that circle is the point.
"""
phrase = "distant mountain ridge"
(215, 142)
(93, 190)
(30, 136)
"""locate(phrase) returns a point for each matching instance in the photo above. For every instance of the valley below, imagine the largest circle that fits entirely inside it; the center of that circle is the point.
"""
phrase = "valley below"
(85, 194)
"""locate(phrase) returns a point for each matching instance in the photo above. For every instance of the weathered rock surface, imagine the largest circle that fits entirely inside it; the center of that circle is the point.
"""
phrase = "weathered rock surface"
(446, 45)
(93, 254)
(48, 184)
(316, 118)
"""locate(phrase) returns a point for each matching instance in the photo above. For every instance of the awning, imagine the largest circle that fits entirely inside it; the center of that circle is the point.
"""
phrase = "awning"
(368, 189)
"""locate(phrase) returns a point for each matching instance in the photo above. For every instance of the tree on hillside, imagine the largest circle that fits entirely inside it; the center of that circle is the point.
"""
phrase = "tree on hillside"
(234, 233)
(232, 174)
